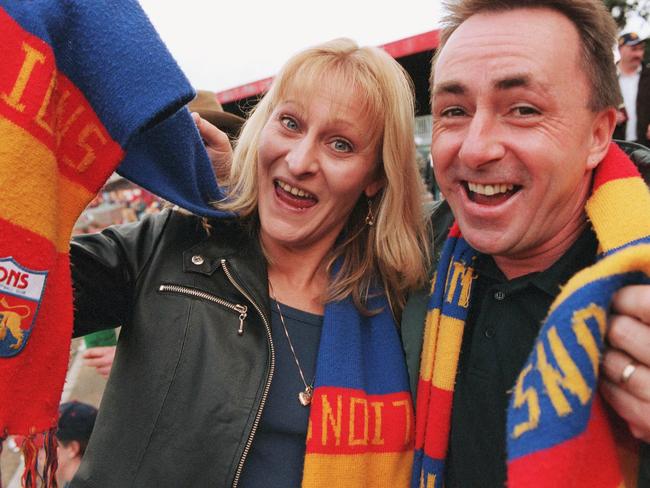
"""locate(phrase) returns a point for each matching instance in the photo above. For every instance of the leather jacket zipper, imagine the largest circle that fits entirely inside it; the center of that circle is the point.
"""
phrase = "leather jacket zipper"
(269, 377)
(242, 310)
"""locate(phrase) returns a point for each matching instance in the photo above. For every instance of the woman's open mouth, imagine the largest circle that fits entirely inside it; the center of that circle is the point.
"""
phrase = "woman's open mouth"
(294, 196)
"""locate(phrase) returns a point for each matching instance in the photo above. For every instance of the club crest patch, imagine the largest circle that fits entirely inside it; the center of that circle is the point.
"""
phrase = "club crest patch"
(21, 290)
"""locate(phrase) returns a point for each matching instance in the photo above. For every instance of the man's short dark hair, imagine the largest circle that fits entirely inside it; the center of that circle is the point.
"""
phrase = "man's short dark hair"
(76, 422)
(595, 25)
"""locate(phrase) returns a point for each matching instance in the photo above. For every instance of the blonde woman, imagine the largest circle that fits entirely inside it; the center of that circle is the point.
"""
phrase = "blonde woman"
(262, 350)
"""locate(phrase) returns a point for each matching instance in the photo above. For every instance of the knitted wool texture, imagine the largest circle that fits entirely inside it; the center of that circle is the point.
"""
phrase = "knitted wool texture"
(557, 431)
(361, 424)
(82, 83)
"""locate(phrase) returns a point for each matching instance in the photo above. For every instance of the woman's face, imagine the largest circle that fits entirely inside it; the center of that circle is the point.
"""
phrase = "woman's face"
(317, 155)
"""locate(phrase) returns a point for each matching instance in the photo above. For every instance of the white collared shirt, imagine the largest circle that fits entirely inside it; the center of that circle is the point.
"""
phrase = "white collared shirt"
(629, 88)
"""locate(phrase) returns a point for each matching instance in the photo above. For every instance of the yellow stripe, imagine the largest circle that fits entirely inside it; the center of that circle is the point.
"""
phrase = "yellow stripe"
(429, 343)
(619, 212)
(376, 470)
(34, 195)
(447, 351)
(634, 258)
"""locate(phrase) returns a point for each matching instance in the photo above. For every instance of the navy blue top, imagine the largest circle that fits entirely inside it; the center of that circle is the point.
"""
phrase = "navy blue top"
(278, 451)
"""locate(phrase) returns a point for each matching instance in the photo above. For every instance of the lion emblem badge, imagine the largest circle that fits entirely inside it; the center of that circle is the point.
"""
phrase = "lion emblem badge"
(21, 290)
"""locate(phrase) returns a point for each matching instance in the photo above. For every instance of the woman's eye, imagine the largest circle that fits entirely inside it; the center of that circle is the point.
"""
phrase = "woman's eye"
(289, 122)
(341, 145)
(452, 112)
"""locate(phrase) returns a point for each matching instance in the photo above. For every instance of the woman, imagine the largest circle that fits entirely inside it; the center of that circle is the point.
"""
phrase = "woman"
(246, 339)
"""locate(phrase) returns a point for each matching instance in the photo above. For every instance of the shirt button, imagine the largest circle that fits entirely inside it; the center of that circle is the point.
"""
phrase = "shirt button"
(198, 260)
(499, 295)
(489, 332)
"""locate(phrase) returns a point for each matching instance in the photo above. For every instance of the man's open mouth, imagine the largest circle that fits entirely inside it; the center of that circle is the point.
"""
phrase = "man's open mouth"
(490, 194)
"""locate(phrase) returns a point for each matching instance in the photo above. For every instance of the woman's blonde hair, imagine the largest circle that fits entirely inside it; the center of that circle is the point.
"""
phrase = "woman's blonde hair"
(393, 251)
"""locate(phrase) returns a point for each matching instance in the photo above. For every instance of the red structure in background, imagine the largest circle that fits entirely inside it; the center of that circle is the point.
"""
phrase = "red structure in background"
(413, 53)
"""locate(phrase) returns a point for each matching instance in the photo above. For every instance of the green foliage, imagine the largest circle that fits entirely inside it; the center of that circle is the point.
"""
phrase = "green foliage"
(620, 9)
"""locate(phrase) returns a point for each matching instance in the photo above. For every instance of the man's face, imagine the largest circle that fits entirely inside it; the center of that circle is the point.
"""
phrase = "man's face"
(513, 137)
(632, 56)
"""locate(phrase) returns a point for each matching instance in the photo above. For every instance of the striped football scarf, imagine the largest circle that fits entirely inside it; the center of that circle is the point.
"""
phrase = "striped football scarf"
(75, 95)
(361, 424)
(557, 430)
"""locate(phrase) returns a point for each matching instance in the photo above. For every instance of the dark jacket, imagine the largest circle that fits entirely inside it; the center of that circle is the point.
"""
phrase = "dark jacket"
(642, 110)
(186, 389)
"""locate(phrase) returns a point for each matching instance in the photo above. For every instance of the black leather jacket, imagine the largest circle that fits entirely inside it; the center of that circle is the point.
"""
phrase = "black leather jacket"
(194, 360)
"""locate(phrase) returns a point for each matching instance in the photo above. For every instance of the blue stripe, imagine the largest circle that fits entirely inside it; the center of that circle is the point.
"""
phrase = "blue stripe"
(553, 429)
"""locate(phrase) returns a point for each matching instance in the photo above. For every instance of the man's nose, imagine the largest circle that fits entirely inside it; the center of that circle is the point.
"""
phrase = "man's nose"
(482, 144)
(303, 158)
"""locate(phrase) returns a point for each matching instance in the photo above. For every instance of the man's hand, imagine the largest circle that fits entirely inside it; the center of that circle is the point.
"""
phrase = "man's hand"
(218, 146)
(626, 363)
(100, 358)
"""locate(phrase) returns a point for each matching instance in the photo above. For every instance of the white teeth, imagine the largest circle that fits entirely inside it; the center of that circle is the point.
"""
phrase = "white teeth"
(293, 190)
(489, 190)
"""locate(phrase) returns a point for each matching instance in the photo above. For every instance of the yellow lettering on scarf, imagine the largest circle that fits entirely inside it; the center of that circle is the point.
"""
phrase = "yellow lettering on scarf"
(309, 431)
(569, 378)
(84, 141)
(32, 56)
(45, 105)
(405, 404)
(328, 416)
(377, 439)
(464, 275)
(65, 126)
(528, 397)
(431, 480)
(363, 440)
(583, 333)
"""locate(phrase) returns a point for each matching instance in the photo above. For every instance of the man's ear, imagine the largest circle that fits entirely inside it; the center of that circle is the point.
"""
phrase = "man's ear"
(601, 136)
(74, 448)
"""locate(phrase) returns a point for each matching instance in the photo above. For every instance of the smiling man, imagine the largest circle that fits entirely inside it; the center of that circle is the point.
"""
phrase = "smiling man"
(524, 97)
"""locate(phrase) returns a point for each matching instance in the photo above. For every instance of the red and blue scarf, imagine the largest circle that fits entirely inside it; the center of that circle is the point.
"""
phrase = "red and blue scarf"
(361, 424)
(84, 87)
(558, 433)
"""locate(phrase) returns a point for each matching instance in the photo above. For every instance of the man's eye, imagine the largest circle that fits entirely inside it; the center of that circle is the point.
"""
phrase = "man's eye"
(289, 122)
(525, 111)
(453, 112)
(341, 145)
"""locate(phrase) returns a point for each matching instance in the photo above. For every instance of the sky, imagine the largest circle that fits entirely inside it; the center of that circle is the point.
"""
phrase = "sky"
(221, 45)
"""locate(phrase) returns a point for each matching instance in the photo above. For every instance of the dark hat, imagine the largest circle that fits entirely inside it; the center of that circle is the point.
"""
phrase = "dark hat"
(76, 421)
(209, 108)
(630, 39)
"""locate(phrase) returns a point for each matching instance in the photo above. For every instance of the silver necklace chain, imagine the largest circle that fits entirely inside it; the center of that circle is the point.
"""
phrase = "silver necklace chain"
(305, 396)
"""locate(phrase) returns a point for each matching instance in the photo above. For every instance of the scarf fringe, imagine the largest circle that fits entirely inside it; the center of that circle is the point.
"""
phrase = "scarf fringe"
(32, 478)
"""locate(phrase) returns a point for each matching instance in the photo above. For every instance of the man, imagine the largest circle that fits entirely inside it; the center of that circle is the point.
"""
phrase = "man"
(518, 132)
(76, 422)
(633, 120)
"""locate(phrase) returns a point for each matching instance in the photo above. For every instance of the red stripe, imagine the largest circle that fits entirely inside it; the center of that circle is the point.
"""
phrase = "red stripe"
(616, 165)
(438, 423)
(348, 421)
(32, 381)
(422, 399)
(86, 143)
(589, 460)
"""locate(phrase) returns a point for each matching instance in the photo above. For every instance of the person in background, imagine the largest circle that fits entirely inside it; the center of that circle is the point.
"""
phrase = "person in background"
(75, 425)
(633, 117)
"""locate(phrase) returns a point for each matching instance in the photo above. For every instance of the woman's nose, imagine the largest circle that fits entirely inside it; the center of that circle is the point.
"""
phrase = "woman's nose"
(303, 157)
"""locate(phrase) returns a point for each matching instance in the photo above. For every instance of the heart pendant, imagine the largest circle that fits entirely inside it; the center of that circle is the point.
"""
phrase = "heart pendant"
(304, 397)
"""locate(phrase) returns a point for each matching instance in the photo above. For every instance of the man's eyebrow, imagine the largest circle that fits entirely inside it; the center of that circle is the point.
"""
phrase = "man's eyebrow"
(515, 81)
(450, 87)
